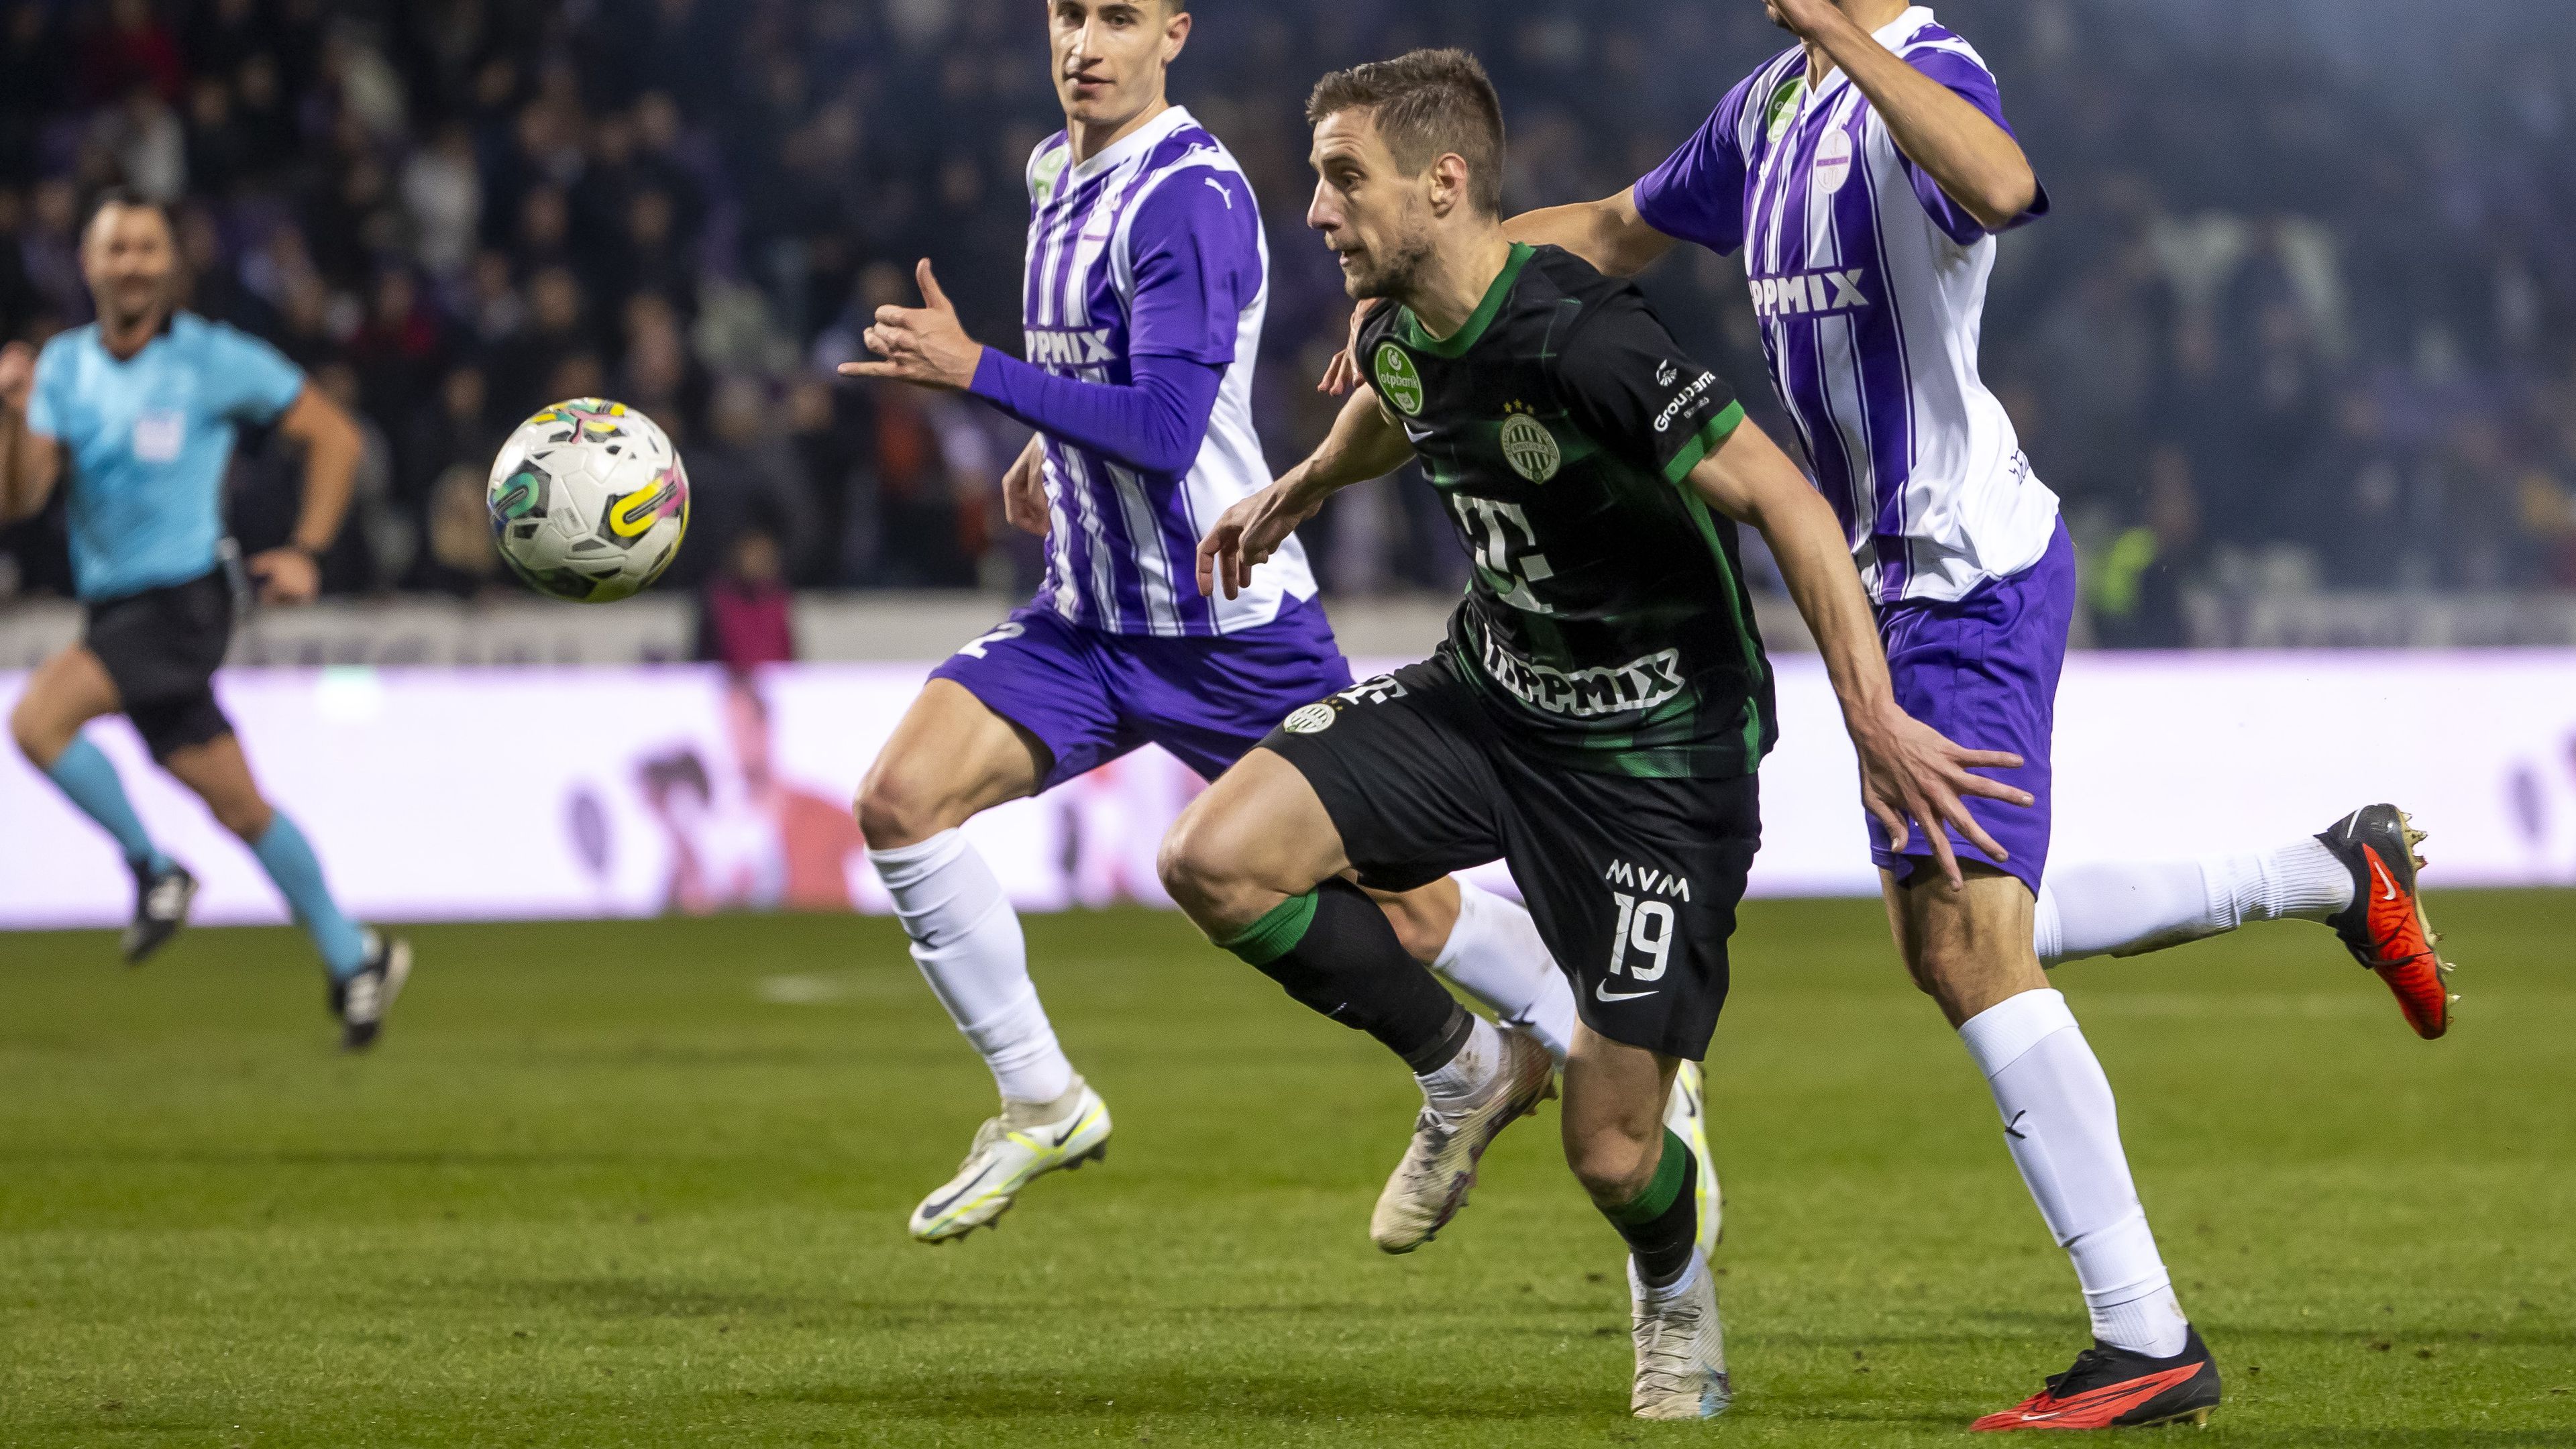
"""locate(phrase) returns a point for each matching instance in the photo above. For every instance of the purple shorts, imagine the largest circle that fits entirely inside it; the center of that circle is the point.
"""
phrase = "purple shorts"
(1091, 696)
(1984, 672)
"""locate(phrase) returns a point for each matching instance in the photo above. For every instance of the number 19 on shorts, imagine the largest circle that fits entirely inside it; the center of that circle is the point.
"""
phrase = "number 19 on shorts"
(1644, 930)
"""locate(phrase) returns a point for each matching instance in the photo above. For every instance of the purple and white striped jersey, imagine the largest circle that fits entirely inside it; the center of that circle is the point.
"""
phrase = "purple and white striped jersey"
(1870, 284)
(1151, 246)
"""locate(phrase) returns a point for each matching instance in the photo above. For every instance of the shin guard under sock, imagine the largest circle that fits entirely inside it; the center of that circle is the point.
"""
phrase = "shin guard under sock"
(1333, 950)
(1661, 1223)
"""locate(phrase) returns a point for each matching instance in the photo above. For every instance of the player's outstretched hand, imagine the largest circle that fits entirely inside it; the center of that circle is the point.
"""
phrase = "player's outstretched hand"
(925, 345)
(1024, 500)
(1343, 372)
(1912, 775)
(17, 375)
(286, 576)
(1247, 534)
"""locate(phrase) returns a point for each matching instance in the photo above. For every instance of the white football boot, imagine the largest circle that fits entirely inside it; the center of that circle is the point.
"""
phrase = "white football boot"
(1686, 1115)
(1430, 1184)
(1681, 1350)
(1005, 1159)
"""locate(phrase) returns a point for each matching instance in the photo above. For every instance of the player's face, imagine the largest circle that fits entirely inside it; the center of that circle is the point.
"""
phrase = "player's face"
(1376, 219)
(1110, 55)
(129, 257)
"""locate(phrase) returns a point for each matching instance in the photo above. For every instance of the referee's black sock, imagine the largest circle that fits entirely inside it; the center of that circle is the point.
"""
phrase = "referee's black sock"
(1333, 949)
(1661, 1223)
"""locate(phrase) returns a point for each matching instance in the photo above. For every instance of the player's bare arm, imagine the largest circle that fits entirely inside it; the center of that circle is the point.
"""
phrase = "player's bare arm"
(29, 463)
(332, 444)
(1977, 163)
(1909, 771)
(1364, 443)
(1607, 233)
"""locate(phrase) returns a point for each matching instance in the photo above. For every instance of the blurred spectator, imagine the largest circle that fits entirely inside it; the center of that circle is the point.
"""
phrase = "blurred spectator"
(460, 559)
(2135, 586)
(2327, 287)
(745, 614)
(443, 193)
(744, 478)
(458, 427)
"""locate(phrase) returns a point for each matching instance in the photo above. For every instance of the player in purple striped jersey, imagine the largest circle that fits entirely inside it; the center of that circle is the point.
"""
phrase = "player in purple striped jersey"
(1147, 277)
(1864, 173)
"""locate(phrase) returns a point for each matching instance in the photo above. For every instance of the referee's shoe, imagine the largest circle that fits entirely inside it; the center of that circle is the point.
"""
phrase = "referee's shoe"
(361, 998)
(161, 900)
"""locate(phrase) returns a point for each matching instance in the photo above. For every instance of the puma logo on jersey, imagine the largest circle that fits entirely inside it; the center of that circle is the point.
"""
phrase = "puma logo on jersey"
(1809, 293)
(1069, 346)
(1647, 880)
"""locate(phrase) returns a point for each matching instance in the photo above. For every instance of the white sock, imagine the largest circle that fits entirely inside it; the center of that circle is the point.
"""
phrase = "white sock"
(1494, 955)
(2064, 1132)
(966, 939)
(1638, 1289)
(2126, 909)
(2298, 881)
(1465, 1077)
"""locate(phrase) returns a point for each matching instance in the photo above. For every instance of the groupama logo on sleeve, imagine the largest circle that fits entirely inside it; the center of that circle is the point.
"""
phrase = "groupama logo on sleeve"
(1397, 381)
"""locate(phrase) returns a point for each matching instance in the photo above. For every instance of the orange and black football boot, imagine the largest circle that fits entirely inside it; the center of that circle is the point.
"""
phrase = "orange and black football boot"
(2117, 1388)
(2385, 927)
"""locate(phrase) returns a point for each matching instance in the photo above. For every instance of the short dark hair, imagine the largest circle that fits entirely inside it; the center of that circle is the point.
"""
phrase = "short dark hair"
(1426, 104)
(123, 196)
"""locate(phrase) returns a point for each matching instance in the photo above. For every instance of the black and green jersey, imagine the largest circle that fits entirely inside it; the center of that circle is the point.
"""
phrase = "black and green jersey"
(1607, 624)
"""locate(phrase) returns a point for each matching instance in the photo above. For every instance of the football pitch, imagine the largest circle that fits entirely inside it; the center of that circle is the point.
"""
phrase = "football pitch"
(645, 1183)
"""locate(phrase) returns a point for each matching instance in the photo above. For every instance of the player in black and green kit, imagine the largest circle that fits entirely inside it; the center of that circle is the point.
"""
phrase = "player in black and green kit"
(1595, 717)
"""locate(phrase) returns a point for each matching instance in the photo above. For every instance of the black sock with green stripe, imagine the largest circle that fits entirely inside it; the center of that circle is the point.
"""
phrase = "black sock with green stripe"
(1333, 949)
(1661, 1223)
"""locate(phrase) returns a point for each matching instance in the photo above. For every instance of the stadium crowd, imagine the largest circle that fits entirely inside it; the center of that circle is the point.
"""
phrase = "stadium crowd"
(2289, 326)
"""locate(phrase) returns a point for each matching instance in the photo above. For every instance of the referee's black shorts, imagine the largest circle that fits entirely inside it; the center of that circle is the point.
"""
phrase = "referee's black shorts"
(162, 647)
(1633, 882)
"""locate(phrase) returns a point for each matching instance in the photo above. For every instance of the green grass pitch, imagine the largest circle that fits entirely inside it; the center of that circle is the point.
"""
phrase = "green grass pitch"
(645, 1184)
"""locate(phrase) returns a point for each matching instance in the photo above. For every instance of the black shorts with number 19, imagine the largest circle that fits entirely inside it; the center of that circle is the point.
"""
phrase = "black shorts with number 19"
(1633, 881)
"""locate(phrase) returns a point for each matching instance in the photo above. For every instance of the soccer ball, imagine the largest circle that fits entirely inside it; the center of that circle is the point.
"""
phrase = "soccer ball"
(589, 501)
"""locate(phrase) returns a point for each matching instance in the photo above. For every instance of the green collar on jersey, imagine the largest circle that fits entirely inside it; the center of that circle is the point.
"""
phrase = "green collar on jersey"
(1483, 317)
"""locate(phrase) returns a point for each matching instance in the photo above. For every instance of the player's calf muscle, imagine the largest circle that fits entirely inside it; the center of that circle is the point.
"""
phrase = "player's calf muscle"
(1614, 1115)
(1422, 918)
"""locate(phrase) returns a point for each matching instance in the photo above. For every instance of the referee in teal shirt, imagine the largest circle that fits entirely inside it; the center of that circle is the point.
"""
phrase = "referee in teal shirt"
(135, 415)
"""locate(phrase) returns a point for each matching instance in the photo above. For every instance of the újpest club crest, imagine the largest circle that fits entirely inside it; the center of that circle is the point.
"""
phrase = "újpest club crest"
(1397, 381)
(1529, 447)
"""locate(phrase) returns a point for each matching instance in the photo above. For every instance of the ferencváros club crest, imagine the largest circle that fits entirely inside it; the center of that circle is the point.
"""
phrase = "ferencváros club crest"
(1529, 447)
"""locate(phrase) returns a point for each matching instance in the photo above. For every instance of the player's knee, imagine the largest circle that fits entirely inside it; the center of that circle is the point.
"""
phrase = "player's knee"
(1612, 1166)
(30, 736)
(1936, 965)
(1196, 868)
(896, 808)
(246, 815)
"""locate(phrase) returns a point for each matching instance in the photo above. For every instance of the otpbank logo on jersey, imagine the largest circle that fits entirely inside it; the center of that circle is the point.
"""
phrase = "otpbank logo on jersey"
(1069, 346)
(1818, 293)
